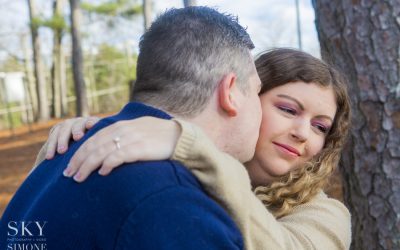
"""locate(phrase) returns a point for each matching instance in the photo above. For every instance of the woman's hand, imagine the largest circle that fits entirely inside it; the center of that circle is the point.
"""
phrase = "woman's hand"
(141, 139)
(62, 132)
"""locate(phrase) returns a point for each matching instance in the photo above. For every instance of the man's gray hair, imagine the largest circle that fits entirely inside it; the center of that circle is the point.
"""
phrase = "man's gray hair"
(185, 54)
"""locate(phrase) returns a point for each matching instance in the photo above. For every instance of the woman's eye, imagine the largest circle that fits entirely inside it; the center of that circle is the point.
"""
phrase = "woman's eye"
(288, 110)
(321, 128)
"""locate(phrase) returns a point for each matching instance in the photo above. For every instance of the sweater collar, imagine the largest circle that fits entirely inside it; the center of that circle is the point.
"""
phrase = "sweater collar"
(134, 110)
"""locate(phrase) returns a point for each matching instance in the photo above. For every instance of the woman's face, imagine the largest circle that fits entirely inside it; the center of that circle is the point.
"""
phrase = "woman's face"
(296, 118)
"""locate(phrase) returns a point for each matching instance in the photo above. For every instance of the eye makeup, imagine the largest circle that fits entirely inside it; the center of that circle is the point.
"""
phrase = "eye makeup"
(321, 127)
(300, 106)
(290, 109)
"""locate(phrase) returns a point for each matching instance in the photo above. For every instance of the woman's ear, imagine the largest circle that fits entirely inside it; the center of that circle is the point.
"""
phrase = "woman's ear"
(226, 94)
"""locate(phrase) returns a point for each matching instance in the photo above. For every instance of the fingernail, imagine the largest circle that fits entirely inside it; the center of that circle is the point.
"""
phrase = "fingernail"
(77, 177)
(49, 156)
(67, 173)
(102, 171)
(60, 149)
(78, 134)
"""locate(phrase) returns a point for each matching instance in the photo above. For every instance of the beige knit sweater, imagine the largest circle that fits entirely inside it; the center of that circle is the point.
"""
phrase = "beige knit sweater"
(322, 223)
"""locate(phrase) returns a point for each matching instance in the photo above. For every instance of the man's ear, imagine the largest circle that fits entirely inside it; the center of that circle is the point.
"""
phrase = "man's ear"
(226, 94)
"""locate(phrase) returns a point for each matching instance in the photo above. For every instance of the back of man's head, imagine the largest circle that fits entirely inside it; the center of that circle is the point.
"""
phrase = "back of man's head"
(184, 55)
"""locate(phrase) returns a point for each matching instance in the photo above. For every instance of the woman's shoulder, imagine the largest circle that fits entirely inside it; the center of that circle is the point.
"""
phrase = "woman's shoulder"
(322, 200)
(324, 207)
(325, 219)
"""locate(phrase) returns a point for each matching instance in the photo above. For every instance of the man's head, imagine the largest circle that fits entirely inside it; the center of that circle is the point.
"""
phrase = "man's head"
(184, 55)
(195, 60)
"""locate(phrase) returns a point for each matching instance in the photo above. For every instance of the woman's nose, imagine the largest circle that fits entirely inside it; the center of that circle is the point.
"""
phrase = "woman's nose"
(300, 130)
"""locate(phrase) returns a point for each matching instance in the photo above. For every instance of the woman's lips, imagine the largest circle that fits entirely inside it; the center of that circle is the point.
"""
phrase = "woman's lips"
(288, 149)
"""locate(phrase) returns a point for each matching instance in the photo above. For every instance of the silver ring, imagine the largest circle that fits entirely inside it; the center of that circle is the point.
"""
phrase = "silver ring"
(116, 140)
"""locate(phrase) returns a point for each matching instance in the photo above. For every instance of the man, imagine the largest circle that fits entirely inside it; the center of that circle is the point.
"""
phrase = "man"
(195, 64)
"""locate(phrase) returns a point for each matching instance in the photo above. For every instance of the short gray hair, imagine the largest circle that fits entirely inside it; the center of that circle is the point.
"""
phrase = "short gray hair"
(185, 54)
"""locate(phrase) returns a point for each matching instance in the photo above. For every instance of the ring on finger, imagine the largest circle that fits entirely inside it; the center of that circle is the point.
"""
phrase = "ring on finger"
(116, 140)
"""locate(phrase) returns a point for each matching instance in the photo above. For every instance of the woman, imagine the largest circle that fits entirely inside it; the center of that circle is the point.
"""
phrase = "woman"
(305, 121)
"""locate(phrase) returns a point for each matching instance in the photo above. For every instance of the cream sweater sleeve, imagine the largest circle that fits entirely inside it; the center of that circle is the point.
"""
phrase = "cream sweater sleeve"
(322, 223)
(40, 157)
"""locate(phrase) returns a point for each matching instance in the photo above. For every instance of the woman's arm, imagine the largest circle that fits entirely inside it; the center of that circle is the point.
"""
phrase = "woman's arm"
(227, 181)
(41, 156)
(322, 223)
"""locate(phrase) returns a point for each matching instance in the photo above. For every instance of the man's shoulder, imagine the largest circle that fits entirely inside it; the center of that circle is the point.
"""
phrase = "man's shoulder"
(180, 216)
(151, 176)
(130, 184)
(172, 203)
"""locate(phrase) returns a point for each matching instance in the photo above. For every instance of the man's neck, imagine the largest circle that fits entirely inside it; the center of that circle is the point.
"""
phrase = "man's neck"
(211, 122)
(214, 126)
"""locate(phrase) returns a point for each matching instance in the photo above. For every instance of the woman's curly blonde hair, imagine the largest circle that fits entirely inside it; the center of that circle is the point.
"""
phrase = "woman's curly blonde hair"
(281, 66)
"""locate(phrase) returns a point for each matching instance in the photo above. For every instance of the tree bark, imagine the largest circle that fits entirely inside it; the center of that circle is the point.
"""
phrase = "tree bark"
(56, 70)
(30, 77)
(63, 84)
(41, 87)
(362, 38)
(147, 11)
(188, 3)
(82, 108)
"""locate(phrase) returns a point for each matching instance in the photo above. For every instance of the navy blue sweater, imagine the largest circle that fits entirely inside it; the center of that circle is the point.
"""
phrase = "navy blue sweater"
(144, 205)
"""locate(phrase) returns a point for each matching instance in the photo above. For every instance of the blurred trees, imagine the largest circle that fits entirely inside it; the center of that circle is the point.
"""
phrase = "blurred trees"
(12, 64)
(50, 74)
(58, 77)
(362, 38)
(114, 9)
(58, 82)
(188, 3)
(41, 88)
(147, 11)
(105, 76)
(110, 10)
(82, 107)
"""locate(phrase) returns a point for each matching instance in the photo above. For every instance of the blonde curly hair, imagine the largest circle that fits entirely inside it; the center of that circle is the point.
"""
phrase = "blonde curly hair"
(281, 66)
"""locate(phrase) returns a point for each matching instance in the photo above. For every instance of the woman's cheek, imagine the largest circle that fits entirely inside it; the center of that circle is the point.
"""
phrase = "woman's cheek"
(318, 146)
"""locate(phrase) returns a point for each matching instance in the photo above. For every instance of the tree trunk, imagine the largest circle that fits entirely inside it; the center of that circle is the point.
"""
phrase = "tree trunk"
(82, 108)
(362, 38)
(188, 3)
(147, 11)
(63, 84)
(56, 70)
(41, 88)
(30, 77)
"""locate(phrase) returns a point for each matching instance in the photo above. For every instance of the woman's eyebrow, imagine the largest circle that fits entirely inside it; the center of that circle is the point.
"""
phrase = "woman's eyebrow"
(292, 99)
(302, 107)
(326, 117)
